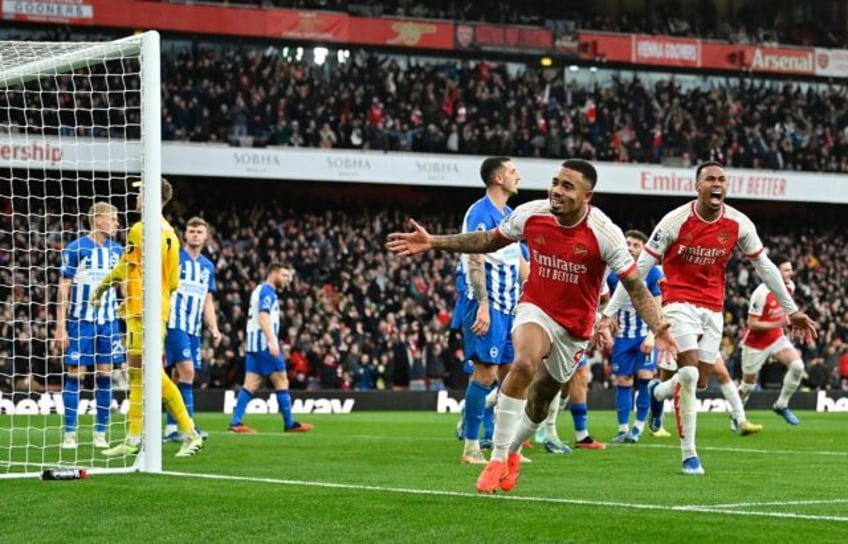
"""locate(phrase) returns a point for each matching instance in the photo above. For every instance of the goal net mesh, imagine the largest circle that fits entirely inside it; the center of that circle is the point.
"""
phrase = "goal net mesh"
(70, 145)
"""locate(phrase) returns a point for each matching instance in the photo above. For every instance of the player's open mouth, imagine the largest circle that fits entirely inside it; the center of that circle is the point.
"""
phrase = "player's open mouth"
(715, 197)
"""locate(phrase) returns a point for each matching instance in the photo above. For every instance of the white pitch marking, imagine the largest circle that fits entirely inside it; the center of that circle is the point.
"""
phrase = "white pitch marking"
(743, 450)
(779, 503)
(641, 444)
(551, 500)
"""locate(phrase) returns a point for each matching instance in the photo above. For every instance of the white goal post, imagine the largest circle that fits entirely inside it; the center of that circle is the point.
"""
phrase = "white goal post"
(79, 123)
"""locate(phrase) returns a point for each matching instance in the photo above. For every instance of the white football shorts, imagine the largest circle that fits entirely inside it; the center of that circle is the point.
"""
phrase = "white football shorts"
(753, 359)
(566, 351)
(696, 328)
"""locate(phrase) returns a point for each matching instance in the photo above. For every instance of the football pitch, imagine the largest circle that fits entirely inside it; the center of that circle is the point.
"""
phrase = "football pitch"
(396, 477)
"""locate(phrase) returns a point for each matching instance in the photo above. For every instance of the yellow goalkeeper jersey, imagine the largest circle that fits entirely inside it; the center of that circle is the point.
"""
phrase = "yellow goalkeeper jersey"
(129, 269)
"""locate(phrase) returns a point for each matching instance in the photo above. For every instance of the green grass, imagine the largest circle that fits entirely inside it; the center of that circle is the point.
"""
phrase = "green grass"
(396, 477)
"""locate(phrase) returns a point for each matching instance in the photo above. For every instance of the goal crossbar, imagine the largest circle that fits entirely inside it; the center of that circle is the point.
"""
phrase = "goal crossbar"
(21, 64)
(69, 61)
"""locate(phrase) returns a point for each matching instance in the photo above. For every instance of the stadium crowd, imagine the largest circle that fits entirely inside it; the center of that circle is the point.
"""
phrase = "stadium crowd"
(749, 23)
(355, 317)
(485, 108)
(255, 96)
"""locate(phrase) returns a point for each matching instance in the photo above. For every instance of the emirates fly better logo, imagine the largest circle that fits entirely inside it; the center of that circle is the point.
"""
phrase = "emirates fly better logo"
(552, 267)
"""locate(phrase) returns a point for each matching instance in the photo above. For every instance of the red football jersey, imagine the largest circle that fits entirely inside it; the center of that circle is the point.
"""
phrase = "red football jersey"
(568, 264)
(764, 305)
(695, 252)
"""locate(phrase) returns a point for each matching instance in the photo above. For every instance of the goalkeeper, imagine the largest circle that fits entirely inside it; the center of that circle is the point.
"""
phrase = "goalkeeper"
(129, 270)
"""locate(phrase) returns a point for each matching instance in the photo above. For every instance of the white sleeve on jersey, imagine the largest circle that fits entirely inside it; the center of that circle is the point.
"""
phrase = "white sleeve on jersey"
(749, 241)
(512, 226)
(613, 247)
(664, 234)
(750, 244)
(770, 274)
(757, 304)
(667, 230)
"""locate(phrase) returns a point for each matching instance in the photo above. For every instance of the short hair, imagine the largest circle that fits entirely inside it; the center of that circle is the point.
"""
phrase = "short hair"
(779, 259)
(167, 191)
(197, 221)
(275, 266)
(638, 234)
(99, 208)
(707, 164)
(490, 166)
(585, 168)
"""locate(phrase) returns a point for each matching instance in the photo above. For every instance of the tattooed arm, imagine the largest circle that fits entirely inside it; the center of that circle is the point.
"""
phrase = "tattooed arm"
(418, 241)
(642, 299)
(646, 305)
(477, 279)
(484, 241)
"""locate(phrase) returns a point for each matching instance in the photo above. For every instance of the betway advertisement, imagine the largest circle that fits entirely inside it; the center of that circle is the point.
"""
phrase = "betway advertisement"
(346, 402)
(287, 163)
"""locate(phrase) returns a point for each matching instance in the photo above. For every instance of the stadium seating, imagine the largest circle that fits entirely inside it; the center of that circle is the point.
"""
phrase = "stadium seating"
(747, 24)
(259, 96)
(349, 292)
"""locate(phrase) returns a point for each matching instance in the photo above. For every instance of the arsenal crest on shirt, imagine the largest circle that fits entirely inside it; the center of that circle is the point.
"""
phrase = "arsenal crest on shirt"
(580, 250)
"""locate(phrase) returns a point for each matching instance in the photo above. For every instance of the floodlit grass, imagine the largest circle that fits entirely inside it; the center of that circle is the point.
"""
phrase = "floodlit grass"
(396, 477)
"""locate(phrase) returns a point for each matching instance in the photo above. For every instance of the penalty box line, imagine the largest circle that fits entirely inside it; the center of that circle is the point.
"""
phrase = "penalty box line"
(706, 509)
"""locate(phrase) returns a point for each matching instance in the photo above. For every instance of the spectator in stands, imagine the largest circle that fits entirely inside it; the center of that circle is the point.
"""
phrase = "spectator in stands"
(253, 95)
(349, 293)
(843, 368)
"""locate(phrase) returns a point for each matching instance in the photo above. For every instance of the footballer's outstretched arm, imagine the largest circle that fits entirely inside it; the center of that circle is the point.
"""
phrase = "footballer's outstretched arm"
(419, 240)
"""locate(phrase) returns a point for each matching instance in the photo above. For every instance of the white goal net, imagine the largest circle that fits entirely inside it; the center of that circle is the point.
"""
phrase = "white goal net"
(79, 123)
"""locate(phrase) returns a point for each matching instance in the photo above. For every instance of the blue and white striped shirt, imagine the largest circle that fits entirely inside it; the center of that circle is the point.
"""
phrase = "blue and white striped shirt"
(460, 280)
(502, 280)
(197, 278)
(263, 299)
(86, 263)
(630, 324)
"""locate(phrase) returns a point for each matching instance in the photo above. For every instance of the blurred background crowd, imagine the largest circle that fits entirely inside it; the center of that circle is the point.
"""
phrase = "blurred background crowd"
(753, 22)
(355, 317)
